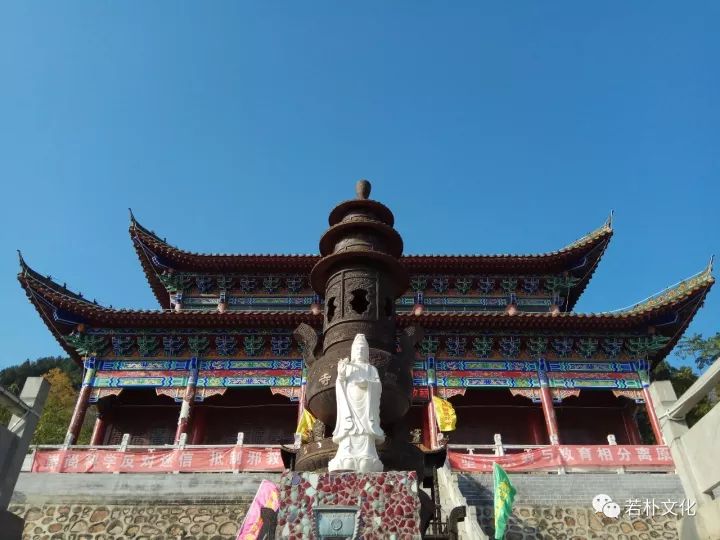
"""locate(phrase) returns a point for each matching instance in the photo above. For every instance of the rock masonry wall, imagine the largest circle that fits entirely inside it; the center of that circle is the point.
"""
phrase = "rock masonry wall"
(138, 506)
(576, 523)
(559, 507)
(142, 522)
(211, 506)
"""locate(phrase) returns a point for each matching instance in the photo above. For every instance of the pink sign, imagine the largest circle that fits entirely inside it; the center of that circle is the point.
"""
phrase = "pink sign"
(236, 458)
(552, 457)
(267, 496)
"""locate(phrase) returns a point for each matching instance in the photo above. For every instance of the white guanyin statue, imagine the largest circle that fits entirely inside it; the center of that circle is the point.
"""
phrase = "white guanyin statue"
(357, 425)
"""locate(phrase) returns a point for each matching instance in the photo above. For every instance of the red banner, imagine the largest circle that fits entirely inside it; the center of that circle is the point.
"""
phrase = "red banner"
(553, 457)
(236, 458)
(254, 459)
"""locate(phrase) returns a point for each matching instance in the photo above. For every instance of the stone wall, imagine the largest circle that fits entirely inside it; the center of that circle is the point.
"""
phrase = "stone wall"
(559, 507)
(150, 521)
(142, 506)
(211, 506)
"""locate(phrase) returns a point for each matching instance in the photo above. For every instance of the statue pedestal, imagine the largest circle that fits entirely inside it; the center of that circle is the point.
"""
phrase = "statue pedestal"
(348, 505)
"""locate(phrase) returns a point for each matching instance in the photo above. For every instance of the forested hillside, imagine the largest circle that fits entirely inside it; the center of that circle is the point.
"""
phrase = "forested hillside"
(64, 377)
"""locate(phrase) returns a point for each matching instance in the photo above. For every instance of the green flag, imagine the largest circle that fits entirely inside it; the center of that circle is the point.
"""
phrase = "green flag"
(504, 495)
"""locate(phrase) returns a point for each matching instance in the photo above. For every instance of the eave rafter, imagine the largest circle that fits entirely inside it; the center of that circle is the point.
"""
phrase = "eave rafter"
(578, 260)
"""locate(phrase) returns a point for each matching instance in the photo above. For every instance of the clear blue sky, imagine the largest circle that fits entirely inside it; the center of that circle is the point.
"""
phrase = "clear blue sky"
(236, 126)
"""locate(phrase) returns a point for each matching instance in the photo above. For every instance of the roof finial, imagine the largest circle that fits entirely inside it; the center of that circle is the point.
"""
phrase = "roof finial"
(132, 216)
(23, 264)
(710, 264)
(609, 222)
(362, 189)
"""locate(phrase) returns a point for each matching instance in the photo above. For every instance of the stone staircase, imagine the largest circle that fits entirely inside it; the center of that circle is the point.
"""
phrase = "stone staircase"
(555, 507)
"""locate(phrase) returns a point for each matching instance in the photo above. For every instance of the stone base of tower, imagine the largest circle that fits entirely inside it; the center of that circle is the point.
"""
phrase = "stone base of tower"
(349, 505)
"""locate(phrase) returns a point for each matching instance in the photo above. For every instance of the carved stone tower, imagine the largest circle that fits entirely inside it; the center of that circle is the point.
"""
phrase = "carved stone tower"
(360, 277)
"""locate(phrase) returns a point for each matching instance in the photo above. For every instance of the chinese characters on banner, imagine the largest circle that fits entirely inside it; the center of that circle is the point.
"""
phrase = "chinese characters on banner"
(552, 457)
(243, 458)
(236, 458)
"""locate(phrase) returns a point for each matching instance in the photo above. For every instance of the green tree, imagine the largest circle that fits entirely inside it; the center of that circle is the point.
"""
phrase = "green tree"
(64, 377)
(58, 409)
(12, 378)
(4, 416)
(704, 350)
(682, 378)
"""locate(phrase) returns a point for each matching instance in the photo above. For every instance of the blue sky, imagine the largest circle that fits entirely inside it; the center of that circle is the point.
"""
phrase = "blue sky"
(236, 126)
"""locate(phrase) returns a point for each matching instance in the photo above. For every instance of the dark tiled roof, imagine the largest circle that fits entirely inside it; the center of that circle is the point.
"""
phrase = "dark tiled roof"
(47, 296)
(590, 246)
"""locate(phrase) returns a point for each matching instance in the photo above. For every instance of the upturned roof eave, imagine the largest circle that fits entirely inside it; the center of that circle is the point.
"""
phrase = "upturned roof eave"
(99, 315)
(551, 262)
(46, 319)
(688, 295)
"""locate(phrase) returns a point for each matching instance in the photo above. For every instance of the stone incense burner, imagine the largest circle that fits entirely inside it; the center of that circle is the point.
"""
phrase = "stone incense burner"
(360, 277)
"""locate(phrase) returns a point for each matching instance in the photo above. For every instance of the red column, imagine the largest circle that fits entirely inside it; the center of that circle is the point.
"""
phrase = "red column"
(536, 427)
(547, 405)
(301, 403)
(82, 403)
(654, 422)
(98, 434)
(188, 401)
(425, 427)
(643, 370)
(431, 420)
(630, 425)
(198, 427)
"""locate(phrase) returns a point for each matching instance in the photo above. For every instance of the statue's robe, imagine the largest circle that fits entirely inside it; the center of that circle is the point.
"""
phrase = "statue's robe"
(357, 427)
(355, 396)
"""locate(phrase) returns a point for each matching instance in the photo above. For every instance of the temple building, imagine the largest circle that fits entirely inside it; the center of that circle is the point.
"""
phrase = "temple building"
(502, 343)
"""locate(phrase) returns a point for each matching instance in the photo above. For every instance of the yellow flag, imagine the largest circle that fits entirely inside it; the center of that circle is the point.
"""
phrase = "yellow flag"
(305, 426)
(444, 413)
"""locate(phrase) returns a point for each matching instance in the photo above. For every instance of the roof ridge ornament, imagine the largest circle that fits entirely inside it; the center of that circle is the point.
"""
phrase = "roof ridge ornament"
(23, 265)
(609, 221)
(135, 225)
(606, 227)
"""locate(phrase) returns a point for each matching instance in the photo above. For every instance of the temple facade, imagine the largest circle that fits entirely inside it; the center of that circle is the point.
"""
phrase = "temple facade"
(502, 343)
